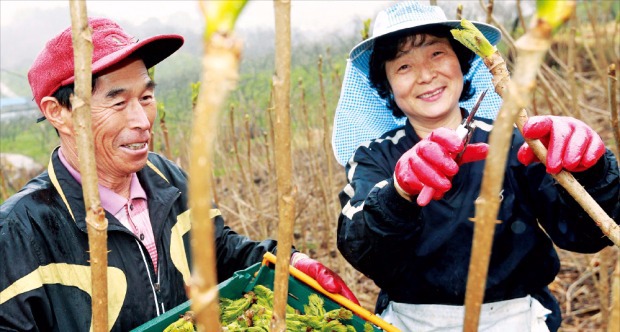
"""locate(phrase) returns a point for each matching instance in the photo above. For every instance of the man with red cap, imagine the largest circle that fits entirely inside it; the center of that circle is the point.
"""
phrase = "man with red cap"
(45, 277)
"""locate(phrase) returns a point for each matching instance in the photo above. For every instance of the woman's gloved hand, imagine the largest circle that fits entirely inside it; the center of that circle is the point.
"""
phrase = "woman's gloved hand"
(327, 278)
(427, 168)
(571, 144)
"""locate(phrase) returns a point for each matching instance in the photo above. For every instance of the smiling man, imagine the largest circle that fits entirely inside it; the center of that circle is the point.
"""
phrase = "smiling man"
(123, 110)
(44, 254)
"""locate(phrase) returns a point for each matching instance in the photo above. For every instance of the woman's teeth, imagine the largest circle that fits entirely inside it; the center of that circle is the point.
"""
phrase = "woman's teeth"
(135, 146)
(428, 95)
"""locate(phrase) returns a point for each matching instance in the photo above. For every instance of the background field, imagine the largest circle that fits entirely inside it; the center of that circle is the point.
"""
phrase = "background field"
(573, 82)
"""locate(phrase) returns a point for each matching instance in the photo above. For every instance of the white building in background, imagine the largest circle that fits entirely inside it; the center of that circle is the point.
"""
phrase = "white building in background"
(16, 107)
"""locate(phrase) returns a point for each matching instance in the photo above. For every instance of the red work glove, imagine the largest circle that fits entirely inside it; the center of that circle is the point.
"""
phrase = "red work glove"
(327, 278)
(570, 143)
(427, 168)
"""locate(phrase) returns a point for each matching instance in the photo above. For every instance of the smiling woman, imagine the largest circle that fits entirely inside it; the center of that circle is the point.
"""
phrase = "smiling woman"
(410, 196)
(439, 82)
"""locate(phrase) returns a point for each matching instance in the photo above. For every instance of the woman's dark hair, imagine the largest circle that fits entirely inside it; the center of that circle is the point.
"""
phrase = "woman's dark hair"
(387, 47)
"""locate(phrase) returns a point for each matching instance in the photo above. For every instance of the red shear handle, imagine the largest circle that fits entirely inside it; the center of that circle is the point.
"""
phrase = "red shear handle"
(427, 169)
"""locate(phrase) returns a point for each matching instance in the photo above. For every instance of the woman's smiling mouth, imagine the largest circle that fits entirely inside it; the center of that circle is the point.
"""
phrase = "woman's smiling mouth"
(430, 95)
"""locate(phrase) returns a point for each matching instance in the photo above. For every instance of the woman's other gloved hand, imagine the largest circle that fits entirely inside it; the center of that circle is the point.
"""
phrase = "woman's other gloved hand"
(571, 144)
(427, 168)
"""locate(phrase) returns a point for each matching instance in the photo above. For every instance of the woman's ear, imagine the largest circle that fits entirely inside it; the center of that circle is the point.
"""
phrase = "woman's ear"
(58, 115)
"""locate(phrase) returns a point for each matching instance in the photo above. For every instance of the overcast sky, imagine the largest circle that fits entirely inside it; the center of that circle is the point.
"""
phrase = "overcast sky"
(25, 25)
(311, 15)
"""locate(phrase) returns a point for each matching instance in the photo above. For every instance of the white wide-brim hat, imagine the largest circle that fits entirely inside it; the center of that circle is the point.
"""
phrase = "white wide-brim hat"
(361, 114)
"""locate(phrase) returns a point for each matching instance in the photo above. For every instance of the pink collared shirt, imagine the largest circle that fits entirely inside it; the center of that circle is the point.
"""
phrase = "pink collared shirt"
(133, 213)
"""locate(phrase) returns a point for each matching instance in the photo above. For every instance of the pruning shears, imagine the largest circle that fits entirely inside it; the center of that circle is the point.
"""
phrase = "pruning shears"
(466, 129)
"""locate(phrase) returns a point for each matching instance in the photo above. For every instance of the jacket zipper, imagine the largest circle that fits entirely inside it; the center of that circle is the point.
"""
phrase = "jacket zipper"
(158, 287)
(153, 286)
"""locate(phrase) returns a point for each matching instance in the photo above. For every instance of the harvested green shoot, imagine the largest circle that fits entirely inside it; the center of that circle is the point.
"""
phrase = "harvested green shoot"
(254, 310)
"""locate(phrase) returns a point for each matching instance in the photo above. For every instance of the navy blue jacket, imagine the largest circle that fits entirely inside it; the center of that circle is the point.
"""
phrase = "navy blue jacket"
(421, 255)
(44, 259)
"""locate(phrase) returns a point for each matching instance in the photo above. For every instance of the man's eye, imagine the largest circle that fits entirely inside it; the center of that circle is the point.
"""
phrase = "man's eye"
(147, 97)
(119, 104)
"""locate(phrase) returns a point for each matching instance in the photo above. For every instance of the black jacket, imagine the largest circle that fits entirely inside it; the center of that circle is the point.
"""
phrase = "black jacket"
(44, 259)
(421, 255)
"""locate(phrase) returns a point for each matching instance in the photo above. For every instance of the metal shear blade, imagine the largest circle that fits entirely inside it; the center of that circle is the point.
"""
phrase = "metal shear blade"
(466, 128)
(470, 117)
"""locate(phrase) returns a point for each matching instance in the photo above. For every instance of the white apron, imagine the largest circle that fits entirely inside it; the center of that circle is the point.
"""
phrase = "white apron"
(524, 314)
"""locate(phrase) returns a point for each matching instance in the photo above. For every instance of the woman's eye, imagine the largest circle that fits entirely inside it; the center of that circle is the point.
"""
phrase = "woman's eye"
(403, 67)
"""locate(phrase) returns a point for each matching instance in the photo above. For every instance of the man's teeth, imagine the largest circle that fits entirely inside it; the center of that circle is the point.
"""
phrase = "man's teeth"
(135, 146)
(428, 95)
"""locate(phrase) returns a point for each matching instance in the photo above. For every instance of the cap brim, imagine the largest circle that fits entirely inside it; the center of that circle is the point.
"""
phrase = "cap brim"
(151, 50)
(360, 54)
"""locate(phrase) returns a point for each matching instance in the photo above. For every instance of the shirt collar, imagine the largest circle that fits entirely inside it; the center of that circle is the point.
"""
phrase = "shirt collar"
(110, 201)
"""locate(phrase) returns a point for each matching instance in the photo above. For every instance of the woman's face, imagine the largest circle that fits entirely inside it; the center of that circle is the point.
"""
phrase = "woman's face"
(426, 79)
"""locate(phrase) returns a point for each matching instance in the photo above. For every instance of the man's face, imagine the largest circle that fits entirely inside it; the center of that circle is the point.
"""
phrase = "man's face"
(123, 110)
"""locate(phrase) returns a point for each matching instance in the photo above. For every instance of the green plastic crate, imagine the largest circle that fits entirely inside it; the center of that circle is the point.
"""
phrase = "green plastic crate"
(244, 281)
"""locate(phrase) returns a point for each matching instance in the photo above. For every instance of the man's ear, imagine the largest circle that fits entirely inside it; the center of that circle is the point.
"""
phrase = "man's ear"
(58, 115)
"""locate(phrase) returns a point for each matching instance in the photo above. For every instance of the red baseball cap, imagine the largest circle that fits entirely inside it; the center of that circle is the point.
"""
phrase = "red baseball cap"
(54, 66)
